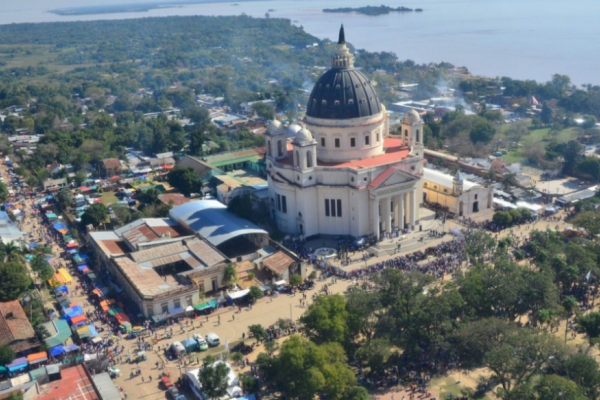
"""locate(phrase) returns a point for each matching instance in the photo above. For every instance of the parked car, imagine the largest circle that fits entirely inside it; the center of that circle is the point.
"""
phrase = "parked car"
(201, 341)
(213, 340)
(172, 393)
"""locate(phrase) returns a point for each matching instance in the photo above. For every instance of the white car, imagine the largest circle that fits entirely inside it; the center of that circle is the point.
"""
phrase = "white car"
(201, 342)
(213, 340)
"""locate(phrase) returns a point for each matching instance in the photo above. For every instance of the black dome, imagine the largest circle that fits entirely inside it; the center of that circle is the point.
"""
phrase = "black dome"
(343, 94)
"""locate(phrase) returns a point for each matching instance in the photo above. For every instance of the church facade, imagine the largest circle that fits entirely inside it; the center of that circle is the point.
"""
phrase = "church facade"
(343, 173)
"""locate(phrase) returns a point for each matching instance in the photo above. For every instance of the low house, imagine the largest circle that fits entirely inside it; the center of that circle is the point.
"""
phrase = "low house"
(110, 166)
(55, 184)
(16, 331)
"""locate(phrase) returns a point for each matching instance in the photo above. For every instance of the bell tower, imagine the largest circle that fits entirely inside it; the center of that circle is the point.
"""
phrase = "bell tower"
(276, 141)
(411, 132)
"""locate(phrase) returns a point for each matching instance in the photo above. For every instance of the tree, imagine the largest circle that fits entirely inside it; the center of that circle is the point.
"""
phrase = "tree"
(482, 132)
(185, 179)
(357, 393)
(13, 281)
(502, 218)
(589, 324)
(236, 357)
(546, 114)
(3, 192)
(271, 347)
(255, 293)
(95, 215)
(249, 383)
(478, 245)
(509, 180)
(295, 280)
(588, 220)
(214, 380)
(263, 110)
(589, 122)
(7, 355)
(230, 276)
(326, 320)
(584, 370)
(554, 387)
(569, 304)
(41, 268)
(11, 252)
(64, 199)
(374, 354)
(258, 332)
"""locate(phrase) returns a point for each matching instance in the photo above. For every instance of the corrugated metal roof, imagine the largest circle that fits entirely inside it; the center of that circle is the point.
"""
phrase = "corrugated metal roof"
(205, 252)
(278, 262)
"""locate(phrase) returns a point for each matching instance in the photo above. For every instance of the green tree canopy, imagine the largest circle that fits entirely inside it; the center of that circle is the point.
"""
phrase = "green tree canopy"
(13, 280)
(326, 320)
(214, 380)
(95, 215)
(185, 179)
(7, 355)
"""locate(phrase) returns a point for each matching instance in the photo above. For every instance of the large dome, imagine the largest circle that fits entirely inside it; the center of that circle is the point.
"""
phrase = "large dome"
(343, 94)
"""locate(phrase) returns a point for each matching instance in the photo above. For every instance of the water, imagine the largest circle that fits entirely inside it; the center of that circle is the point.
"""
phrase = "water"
(523, 39)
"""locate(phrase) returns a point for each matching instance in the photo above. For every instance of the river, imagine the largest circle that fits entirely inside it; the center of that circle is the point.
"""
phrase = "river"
(523, 39)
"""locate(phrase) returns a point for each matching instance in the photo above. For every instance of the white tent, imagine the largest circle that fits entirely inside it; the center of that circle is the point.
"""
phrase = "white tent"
(239, 294)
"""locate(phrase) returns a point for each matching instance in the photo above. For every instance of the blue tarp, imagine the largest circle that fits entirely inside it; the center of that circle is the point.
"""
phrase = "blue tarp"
(72, 312)
(82, 267)
(71, 347)
(176, 311)
(57, 351)
(62, 289)
(93, 330)
(248, 397)
(18, 364)
(73, 251)
(59, 225)
(33, 245)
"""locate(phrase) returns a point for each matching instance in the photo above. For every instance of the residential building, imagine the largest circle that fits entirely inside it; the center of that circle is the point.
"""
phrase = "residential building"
(16, 331)
(109, 167)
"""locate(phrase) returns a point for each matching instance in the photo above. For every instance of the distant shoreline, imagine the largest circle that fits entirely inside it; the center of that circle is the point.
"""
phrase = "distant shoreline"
(371, 10)
(128, 8)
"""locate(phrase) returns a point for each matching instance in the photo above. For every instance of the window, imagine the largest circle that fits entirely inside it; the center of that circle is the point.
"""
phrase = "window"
(188, 301)
(377, 137)
(367, 140)
(323, 142)
(352, 142)
(475, 197)
(165, 307)
(281, 204)
(333, 207)
(176, 304)
(337, 142)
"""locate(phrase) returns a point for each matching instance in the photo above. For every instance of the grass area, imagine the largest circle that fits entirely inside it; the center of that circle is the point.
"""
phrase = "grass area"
(538, 135)
(449, 385)
(23, 56)
(281, 47)
(109, 198)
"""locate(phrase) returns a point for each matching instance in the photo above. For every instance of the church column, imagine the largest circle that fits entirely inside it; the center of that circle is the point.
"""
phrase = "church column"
(401, 211)
(390, 214)
(385, 213)
(413, 207)
(375, 213)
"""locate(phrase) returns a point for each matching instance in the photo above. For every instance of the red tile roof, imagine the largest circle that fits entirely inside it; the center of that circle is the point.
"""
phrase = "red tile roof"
(111, 163)
(74, 384)
(14, 324)
(278, 262)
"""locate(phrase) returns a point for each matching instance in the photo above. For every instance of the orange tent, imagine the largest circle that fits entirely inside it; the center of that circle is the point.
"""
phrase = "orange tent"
(37, 357)
(122, 318)
(78, 319)
(105, 307)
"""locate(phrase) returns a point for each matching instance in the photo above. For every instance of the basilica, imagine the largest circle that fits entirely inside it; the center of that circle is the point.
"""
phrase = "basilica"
(343, 173)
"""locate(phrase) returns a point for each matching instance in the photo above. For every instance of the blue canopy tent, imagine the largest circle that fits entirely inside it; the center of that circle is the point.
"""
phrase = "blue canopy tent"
(82, 267)
(71, 348)
(72, 312)
(57, 351)
(59, 225)
(62, 289)
(248, 397)
(73, 251)
(18, 365)
(176, 311)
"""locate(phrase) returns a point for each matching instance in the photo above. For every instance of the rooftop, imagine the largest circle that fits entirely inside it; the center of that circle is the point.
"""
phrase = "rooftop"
(278, 262)
(74, 384)
(212, 221)
(14, 325)
(445, 180)
(177, 199)
(235, 157)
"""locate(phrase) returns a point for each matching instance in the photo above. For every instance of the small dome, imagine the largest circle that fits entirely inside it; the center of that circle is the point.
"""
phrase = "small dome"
(412, 116)
(303, 135)
(293, 129)
(273, 125)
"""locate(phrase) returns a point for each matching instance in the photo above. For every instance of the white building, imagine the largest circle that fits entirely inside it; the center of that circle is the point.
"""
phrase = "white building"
(460, 196)
(343, 174)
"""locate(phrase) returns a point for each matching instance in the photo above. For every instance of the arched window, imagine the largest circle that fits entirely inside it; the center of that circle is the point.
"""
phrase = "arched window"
(418, 138)
(269, 148)
(297, 159)
(279, 148)
(309, 159)
(406, 132)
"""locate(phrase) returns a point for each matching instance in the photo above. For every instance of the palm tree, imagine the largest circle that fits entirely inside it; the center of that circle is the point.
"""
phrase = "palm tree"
(11, 252)
(570, 305)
